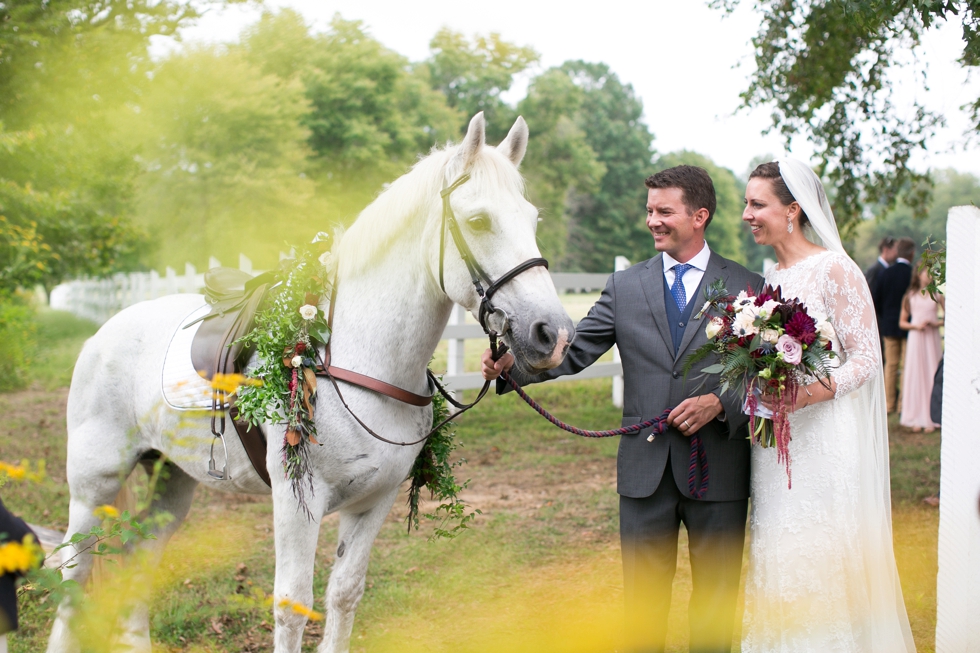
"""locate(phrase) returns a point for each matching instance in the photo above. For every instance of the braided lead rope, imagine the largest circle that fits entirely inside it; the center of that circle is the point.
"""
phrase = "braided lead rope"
(698, 461)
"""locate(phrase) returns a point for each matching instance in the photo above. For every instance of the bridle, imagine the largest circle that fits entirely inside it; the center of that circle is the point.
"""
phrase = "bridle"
(479, 277)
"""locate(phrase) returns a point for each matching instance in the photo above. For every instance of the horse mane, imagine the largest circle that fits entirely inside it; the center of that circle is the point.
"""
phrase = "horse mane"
(408, 202)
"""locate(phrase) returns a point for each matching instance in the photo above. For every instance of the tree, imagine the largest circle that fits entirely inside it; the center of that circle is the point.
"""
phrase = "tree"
(70, 71)
(224, 157)
(826, 67)
(370, 112)
(724, 234)
(559, 161)
(610, 220)
(472, 75)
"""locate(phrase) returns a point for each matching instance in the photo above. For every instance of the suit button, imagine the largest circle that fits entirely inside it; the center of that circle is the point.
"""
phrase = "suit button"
(680, 324)
(676, 375)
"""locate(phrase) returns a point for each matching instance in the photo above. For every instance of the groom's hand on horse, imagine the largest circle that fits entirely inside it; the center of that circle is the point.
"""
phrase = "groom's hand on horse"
(694, 412)
(492, 369)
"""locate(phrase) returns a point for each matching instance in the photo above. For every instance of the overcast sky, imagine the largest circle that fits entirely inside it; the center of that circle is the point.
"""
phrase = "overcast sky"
(688, 63)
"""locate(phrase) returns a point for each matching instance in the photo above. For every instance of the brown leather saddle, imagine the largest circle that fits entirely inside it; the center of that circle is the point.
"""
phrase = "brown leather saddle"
(235, 297)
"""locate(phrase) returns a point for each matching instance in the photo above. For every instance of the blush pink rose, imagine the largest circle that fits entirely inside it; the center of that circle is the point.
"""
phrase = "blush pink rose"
(791, 348)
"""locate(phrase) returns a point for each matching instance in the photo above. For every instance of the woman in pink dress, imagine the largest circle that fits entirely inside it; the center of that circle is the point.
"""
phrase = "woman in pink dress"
(922, 353)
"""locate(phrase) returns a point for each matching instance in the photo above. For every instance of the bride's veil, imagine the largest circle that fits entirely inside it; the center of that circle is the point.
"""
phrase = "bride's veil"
(881, 578)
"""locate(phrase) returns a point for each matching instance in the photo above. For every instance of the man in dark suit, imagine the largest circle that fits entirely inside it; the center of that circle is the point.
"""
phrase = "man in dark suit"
(887, 253)
(650, 312)
(887, 296)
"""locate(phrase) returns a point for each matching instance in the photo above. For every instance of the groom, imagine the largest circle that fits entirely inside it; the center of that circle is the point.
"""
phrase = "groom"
(650, 311)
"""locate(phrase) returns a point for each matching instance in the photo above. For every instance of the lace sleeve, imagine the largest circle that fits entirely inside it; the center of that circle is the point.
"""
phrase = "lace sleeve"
(851, 311)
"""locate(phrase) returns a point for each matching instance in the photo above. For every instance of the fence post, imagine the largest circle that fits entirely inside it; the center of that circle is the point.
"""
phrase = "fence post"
(213, 263)
(454, 361)
(190, 274)
(244, 263)
(621, 263)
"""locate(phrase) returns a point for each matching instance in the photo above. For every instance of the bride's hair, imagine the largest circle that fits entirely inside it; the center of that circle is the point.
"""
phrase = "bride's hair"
(770, 171)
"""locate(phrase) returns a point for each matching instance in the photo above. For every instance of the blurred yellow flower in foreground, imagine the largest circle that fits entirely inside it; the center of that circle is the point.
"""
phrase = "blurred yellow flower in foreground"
(299, 608)
(20, 557)
(22, 471)
(106, 512)
(229, 383)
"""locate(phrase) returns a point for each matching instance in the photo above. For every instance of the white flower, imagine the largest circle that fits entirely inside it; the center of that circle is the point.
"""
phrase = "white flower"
(770, 336)
(765, 311)
(297, 361)
(825, 330)
(941, 288)
(743, 297)
(750, 310)
(714, 327)
(743, 325)
(308, 311)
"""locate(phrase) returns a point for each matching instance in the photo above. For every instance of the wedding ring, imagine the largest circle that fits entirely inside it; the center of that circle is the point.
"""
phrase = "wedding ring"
(686, 424)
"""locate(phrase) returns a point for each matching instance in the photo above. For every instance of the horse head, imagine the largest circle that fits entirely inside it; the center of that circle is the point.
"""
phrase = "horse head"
(495, 230)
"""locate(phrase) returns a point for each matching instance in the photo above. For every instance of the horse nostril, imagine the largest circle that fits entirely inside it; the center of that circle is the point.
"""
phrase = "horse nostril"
(543, 337)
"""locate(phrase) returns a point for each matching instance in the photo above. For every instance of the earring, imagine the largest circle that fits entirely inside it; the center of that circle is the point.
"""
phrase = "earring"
(789, 223)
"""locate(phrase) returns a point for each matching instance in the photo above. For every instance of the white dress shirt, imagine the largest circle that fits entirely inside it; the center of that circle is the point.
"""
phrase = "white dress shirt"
(693, 276)
(883, 262)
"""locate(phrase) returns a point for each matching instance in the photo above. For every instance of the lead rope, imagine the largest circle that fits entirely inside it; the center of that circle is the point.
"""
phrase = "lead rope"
(697, 472)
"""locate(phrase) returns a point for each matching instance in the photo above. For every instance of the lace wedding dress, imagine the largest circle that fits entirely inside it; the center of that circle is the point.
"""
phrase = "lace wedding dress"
(822, 574)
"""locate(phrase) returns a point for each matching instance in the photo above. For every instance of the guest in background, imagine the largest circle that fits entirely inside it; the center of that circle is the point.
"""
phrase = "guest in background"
(923, 350)
(887, 253)
(888, 296)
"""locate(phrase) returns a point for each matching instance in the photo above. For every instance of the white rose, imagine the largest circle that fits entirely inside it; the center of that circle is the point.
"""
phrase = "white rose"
(825, 330)
(297, 361)
(714, 327)
(770, 336)
(743, 325)
(308, 311)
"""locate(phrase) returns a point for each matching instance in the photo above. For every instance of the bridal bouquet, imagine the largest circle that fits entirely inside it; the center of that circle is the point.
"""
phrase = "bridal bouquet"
(766, 345)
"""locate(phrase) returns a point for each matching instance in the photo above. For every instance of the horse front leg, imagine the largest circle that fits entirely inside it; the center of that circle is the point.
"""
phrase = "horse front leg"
(346, 586)
(296, 537)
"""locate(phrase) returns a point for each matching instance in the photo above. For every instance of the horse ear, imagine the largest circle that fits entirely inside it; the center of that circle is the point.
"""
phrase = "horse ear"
(473, 142)
(515, 145)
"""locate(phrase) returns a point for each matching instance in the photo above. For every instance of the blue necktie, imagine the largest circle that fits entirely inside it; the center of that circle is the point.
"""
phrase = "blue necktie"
(677, 289)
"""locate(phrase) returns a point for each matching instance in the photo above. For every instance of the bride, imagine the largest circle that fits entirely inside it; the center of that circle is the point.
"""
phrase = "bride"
(822, 574)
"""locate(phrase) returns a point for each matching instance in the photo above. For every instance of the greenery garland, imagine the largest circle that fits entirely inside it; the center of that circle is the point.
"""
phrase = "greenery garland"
(288, 329)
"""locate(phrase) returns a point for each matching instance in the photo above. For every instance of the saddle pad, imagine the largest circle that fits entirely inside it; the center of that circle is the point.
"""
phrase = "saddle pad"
(183, 388)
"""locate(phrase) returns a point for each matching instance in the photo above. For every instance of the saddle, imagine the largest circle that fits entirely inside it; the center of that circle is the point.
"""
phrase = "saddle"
(235, 297)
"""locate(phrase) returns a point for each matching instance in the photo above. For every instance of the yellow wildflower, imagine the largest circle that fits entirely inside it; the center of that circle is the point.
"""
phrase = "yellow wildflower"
(22, 471)
(106, 512)
(229, 383)
(301, 609)
(20, 557)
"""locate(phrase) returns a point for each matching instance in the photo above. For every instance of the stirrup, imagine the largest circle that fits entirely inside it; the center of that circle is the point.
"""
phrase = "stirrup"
(212, 471)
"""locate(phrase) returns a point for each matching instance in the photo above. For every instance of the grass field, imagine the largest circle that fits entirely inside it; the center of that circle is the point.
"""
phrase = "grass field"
(540, 571)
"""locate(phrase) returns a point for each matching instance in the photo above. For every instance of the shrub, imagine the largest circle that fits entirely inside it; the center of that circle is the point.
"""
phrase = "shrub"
(17, 340)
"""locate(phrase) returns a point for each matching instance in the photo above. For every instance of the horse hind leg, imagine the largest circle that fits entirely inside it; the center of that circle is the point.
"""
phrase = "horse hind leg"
(346, 586)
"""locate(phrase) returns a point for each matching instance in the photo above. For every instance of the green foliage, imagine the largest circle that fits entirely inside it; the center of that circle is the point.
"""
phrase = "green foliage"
(609, 221)
(951, 189)
(433, 469)
(824, 68)
(223, 158)
(724, 234)
(472, 75)
(18, 345)
(559, 159)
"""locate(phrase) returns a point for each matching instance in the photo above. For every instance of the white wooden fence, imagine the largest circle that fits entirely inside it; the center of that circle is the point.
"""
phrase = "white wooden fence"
(100, 299)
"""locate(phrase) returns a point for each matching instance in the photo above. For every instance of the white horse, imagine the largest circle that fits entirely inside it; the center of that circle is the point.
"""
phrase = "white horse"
(390, 313)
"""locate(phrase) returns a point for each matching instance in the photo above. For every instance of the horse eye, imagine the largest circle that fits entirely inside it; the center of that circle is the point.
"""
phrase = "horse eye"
(479, 223)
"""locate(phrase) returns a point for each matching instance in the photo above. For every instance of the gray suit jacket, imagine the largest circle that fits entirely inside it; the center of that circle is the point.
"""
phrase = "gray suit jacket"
(631, 313)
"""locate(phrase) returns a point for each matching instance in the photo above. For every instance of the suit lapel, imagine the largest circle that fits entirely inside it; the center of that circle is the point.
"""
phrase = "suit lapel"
(715, 270)
(653, 288)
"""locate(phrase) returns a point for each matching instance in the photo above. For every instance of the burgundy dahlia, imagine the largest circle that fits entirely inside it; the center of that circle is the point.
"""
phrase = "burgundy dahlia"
(802, 327)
